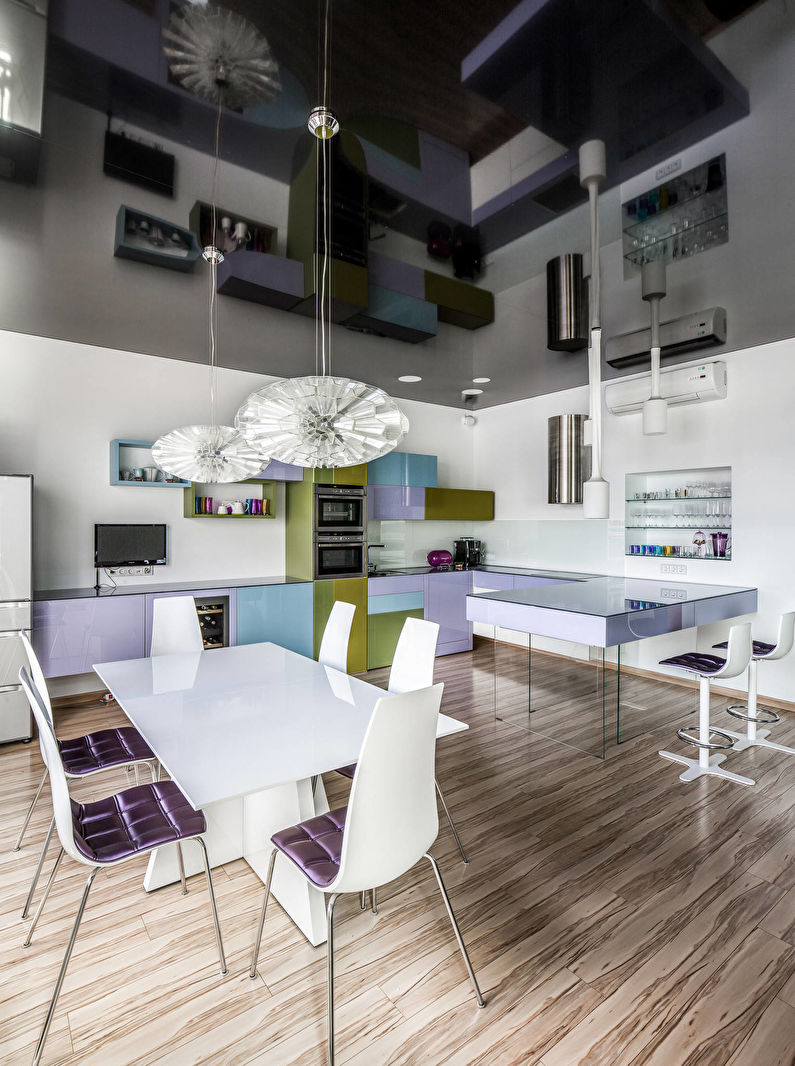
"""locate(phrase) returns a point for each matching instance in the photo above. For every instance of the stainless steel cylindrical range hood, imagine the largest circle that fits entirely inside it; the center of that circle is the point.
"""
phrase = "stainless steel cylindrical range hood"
(567, 304)
(569, 459)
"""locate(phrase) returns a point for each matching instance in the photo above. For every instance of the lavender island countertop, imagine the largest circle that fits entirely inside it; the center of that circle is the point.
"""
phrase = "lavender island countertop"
(605, 610)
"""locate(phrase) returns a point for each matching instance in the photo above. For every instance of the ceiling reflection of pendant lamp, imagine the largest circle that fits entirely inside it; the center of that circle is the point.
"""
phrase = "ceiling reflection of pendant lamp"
(655, 409)
(222, 58)
(322, 420)
(595, 491)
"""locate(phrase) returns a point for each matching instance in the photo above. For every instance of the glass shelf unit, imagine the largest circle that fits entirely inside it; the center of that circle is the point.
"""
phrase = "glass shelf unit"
(665, 509)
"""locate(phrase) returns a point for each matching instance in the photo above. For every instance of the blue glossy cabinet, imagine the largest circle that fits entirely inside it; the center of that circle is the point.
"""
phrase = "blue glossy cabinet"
(403, 468)
(283, 614)
(71, 635)
(445, 603)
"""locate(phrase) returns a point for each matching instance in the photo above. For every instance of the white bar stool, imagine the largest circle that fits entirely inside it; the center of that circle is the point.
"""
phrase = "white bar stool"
(750, 713)
(706, 667)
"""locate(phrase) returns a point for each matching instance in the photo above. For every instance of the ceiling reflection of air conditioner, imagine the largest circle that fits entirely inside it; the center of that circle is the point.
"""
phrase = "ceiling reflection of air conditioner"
(692, 384)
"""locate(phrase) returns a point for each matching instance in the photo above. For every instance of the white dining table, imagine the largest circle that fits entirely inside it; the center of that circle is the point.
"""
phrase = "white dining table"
(243, 731)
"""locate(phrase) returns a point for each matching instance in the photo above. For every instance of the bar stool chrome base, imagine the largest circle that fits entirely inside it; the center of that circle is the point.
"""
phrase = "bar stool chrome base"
(763, 716)
(712, 768)
(709, 745)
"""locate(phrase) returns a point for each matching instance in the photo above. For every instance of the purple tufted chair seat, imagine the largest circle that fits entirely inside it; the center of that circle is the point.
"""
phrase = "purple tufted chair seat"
(136, 819)
(697, 661)
(347, 771)
(760, 648)
(315, 846)
(103, 749)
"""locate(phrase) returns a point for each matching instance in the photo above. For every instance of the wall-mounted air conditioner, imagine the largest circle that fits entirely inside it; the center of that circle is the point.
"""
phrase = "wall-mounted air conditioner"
(686, 334)
(692, 384)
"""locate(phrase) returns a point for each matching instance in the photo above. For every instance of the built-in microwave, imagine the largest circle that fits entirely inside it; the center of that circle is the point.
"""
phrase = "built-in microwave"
(340, 509)
(340, 555)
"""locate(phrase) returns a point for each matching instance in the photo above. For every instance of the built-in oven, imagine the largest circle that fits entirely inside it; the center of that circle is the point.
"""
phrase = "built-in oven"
(340, 555)
(340, 509)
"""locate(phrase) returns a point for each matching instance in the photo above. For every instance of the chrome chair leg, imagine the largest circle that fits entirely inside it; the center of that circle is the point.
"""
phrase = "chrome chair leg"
(137, 774)
(181, 863)
(39, 868)
(330, 951)
(154, 770)
(456, 930)
(362, 901)
(48, 1020)
(30, 810)
(213, 905)
(258, 939)
(43, 900)
(372, 896)
(452, 823)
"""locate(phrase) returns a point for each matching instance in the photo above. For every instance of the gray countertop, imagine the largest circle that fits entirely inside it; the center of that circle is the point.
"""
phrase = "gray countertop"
(168, 586)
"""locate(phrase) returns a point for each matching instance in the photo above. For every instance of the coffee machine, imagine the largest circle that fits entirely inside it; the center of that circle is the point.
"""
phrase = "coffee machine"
(466, 553)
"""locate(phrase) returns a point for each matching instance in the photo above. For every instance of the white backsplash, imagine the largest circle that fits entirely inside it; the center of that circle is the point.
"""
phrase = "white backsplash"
(570, 545)
(407, 543)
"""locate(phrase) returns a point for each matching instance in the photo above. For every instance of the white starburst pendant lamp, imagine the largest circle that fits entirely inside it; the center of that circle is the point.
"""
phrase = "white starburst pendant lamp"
(322, 420)
(595, 491)
(221, 57)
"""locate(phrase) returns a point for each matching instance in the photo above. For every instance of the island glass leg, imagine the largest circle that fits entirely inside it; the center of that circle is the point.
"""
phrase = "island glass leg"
(569, 695)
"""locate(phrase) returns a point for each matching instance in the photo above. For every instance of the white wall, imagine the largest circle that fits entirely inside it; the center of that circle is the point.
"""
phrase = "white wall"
(753, 431)
(60, 405)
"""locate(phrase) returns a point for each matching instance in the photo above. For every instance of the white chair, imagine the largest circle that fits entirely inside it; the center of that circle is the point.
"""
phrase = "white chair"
(175, 626)
(336, 636)
(706, 668)
(110, 831)
(81, 757)
(412, 668)
(751, 713)
(390, 822)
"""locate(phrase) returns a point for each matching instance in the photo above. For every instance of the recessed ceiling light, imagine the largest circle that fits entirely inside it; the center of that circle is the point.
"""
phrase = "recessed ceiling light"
(410, 378)
(471, 392)
(481, 381)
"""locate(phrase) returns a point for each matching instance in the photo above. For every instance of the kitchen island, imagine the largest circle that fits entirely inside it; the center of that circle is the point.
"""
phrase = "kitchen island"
(583, 699)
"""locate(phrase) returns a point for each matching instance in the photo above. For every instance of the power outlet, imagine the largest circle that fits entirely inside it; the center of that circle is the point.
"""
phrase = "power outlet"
(673, 568)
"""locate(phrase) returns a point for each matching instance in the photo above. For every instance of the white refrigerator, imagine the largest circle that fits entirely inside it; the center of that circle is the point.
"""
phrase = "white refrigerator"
(16, 594)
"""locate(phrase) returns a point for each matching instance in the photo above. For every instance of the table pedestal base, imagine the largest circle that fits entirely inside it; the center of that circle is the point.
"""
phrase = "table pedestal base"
(242, 828)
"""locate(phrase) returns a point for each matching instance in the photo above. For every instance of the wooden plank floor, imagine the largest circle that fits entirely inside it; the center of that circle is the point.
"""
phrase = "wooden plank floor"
(614, 916)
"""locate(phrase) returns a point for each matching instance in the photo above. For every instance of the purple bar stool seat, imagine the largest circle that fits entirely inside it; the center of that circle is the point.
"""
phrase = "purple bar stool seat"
(389, 824)
(107, 832)
(706, 667)
(750, 713)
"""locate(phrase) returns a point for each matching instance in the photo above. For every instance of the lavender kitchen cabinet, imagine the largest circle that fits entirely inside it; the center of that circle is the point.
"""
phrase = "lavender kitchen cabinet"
(445, 603)
(69, 636)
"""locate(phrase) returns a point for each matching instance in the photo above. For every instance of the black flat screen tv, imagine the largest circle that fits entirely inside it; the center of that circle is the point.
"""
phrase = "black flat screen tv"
(129, 545)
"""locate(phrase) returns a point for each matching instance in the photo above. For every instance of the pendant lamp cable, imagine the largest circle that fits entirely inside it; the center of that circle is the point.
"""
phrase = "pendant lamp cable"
(322, 271)
(213, 321)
